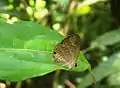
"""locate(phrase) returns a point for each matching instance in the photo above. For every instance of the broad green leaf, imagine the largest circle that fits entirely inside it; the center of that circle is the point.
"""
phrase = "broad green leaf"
(108, 38)
(114, 79)
(104, 69)
(82, 63)
(26, 51)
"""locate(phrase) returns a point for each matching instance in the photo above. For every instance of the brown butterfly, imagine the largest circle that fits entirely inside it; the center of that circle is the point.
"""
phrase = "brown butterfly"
(67, 51)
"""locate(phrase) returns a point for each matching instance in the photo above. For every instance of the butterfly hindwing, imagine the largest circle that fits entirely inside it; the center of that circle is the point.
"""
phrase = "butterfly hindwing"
(67, 51)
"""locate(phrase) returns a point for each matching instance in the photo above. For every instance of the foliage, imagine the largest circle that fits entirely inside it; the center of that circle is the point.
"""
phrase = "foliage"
(26, 51)
(26, 47)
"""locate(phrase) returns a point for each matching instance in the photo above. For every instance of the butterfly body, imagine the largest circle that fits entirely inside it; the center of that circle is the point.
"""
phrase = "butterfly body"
(67, 51)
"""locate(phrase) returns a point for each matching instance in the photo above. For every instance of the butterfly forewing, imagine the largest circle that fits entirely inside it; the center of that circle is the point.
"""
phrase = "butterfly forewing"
(67, 51)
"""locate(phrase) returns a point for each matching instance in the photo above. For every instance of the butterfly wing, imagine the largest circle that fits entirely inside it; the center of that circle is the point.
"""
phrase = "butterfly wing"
(67, 51)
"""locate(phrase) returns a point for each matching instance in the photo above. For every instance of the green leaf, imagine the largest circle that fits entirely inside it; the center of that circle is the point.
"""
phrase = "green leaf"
(106, 68)
(26, 51)
(114, 79)
(108, 38)
(82, 63)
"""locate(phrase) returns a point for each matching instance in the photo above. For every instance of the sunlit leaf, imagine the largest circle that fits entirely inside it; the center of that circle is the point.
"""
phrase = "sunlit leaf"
(26, 51)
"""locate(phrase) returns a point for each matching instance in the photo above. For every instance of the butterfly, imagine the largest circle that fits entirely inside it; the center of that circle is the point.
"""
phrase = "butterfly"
(67, 51)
